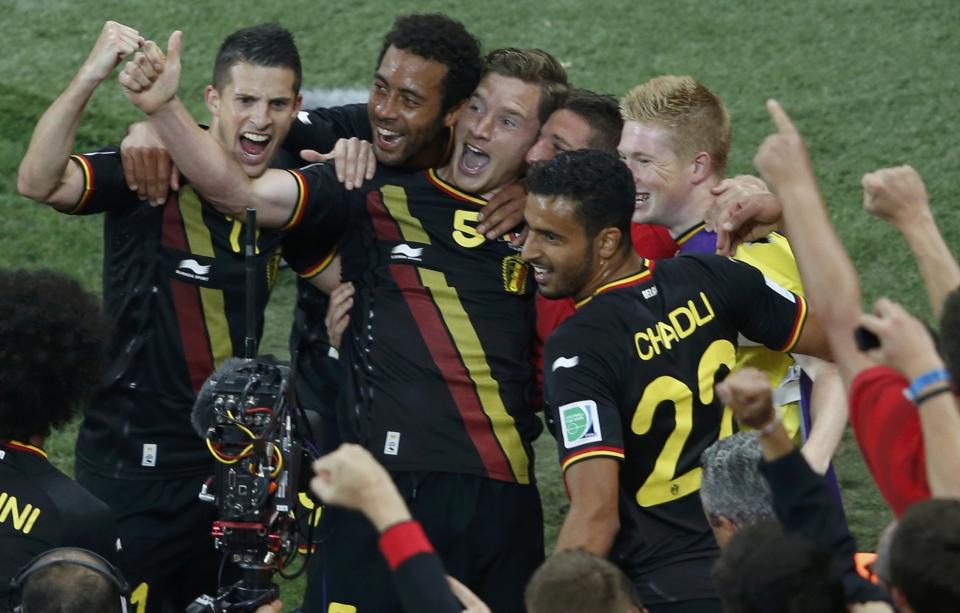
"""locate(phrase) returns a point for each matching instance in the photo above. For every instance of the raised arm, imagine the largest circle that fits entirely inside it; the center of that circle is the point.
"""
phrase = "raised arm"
(829, 278)
(45, 173)
(898, 196)
(209, 167)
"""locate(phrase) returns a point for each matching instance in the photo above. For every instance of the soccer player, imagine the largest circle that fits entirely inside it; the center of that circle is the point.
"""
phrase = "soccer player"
(629, 378)
(54, 341)
(440, 383)
(676, 140)
(173, 286)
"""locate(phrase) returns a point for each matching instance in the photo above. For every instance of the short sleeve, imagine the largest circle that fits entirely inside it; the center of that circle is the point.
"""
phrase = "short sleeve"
(578, 379)
(104, 186)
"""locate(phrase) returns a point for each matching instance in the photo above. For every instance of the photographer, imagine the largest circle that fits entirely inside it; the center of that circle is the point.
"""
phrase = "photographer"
(52, 342)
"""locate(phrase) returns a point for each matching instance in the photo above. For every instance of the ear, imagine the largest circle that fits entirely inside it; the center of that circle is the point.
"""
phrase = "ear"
(212, 97)
(607, 242)
(297, 103)
(701, 168)
(453, 115)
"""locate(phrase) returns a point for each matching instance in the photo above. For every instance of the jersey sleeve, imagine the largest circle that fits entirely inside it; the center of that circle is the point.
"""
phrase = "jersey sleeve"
(320, 218)
(652, 242)
(104, 186)
(763, 310)
(578, 380)
(320, 129)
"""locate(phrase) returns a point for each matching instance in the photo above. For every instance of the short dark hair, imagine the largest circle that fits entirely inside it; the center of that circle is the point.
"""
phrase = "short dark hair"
(602, 114)
(576, 581)
(925, 555)
(71, 580)
(52, 350)
(949, 338)
(762, 569)
(599, 183)
(534, 66)
(434, 36)
(267, 44)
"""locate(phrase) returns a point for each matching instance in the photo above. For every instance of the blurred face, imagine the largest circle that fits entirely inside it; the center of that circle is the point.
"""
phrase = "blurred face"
(661, 179)
(405, 106)
(493, 135)
(253, 113)
(563, 131)
(557, 247)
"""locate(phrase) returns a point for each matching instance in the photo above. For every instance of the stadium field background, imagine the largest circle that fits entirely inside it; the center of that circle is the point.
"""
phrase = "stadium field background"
(869, 84)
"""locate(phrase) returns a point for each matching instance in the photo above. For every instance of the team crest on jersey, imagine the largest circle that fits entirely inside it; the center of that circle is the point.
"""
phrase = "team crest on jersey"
(579, 423)
(515, 273)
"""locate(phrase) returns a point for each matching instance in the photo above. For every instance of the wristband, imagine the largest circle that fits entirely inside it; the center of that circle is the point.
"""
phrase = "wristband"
(402, 541)
(937, 375)
(928, 395)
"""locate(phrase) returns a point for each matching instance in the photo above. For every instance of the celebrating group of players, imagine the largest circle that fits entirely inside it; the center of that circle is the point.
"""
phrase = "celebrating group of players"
(473, 206)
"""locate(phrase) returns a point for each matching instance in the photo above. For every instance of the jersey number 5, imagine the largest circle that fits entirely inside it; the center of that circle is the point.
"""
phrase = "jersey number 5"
(664, 485)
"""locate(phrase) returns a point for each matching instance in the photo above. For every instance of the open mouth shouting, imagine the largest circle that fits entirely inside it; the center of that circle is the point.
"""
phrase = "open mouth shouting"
(640, 200)
(254, 144)
(387, 140)
(473, 160)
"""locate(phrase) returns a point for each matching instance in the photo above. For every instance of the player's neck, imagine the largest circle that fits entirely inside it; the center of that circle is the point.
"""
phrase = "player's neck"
(694, 209)
(434, 154)
(621, 265)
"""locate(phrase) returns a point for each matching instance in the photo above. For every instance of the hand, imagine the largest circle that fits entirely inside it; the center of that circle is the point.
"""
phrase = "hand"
(338, 313)
(746, 220)
(150, 81)
(748, 393)
(896, 195)
(354, 160)
(740, 193)
(504, 212)
(470, 601)
(351, 477)
(274, 607)
(147, 166)
(905, 343)
(782, 158)
(116, 41)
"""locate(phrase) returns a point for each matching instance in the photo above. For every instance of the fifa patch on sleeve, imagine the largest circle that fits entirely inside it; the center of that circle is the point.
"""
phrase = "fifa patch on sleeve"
(579, 423)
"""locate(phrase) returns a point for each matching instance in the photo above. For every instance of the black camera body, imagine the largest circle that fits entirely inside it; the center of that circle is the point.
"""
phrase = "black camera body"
(248, 424)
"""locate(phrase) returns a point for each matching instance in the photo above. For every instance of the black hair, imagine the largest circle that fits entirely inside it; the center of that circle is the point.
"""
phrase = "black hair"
(762, 569)
(598, 183)
(602, 114)
(925, 555)
(267, 44)
(434, 36)
(52, 350)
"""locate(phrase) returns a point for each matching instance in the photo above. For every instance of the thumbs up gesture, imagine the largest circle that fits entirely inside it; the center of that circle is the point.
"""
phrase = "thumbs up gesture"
(150, 80)
(782, 158)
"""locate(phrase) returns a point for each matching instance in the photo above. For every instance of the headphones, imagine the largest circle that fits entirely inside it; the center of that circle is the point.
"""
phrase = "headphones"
(98, 564)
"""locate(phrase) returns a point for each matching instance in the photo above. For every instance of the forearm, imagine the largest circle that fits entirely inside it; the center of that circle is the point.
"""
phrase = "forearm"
(829, 407)
(940, 424)
(590, 529)
(44, 169)
(831, 284)
(209, 167)
(939, 268)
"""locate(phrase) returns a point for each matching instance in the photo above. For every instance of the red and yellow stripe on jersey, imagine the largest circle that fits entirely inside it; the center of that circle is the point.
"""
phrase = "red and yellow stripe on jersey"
(200, 311)
(452, 340)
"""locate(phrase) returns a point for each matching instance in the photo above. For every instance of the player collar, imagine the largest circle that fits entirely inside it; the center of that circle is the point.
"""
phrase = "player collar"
(645, 274)
(690, 233)
(17, 445)
(451, 190)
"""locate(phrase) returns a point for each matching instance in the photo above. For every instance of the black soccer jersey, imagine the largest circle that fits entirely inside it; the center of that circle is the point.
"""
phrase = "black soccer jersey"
(174, 290)
(630, 376)
(439, 341)
(41, 508)
(319, 129)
